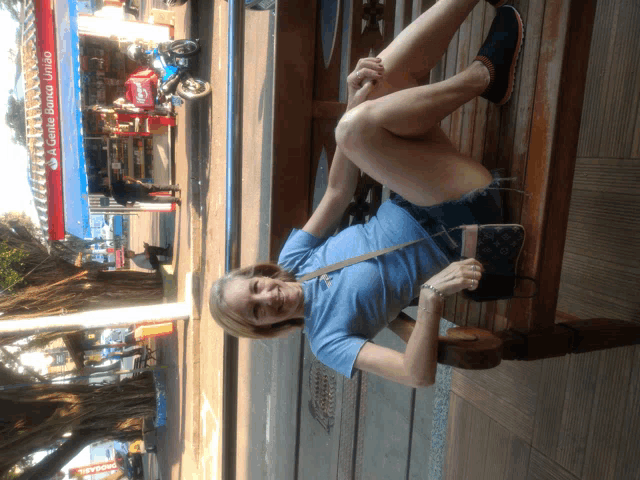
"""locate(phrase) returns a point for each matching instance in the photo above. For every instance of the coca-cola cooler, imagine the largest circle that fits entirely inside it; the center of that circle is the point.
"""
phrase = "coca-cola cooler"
(141, 88)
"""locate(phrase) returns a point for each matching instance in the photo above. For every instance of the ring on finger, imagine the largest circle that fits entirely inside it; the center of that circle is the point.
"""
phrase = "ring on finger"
(358, 74)
(473, 268)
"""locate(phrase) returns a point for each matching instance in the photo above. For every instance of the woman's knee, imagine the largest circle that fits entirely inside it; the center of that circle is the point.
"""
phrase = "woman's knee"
(356, 127)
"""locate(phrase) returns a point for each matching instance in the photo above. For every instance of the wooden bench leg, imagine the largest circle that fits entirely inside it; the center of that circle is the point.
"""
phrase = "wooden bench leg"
(463, 347)
(576, 336)
(476, 349)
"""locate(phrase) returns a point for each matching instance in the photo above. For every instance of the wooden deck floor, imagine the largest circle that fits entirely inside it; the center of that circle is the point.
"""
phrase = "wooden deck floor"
(575, 417)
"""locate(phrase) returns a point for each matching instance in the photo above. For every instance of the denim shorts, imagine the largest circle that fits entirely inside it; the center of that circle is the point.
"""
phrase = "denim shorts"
(478, 207)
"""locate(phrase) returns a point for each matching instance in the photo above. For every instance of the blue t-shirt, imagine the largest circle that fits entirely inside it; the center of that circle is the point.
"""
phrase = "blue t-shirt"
(347, 307)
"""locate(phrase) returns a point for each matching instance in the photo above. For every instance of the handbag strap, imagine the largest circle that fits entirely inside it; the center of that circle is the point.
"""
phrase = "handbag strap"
(359, 258)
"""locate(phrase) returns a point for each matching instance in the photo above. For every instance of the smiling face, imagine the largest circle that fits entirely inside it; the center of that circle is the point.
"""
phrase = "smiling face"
(265, 301)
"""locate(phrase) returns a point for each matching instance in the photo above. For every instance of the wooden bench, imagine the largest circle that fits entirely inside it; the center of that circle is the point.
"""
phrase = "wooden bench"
(533, 138)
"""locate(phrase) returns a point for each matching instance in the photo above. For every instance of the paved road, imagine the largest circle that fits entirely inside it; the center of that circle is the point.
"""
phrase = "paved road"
(190, 446)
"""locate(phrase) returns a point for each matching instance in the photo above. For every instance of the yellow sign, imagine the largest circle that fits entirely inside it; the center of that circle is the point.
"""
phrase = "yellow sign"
(136, 447)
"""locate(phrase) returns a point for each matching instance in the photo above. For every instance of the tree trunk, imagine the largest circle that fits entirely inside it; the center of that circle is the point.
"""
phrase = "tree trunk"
(54, 462)
(88, 412)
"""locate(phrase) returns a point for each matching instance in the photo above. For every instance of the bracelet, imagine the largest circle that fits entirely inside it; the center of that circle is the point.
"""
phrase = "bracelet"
(429, 311)
(434, 289)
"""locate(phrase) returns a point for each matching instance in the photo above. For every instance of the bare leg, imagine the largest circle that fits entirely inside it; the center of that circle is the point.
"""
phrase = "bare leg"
(415, 51)
(393, 139)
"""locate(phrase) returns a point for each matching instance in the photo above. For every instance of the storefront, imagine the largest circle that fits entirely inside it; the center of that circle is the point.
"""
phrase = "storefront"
(82, 133)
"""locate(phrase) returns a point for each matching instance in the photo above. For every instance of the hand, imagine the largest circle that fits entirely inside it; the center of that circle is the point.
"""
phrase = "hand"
(458, 276)
(361, 81)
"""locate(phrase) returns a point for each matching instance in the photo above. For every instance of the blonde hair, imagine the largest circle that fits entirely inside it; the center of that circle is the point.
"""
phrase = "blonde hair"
(235, 324)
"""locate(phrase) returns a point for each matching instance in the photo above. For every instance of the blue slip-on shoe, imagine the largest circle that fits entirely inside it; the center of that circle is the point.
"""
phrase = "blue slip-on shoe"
(500, 52)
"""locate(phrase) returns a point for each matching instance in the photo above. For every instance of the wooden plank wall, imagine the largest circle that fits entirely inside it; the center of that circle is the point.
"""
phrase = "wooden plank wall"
(574, 417)
(601, 270)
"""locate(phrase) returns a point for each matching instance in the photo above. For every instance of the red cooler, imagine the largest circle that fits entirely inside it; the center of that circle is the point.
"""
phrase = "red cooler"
(141, 88)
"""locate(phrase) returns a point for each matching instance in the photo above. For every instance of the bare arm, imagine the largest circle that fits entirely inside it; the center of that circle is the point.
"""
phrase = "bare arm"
(416, 367)
(343, 176)
(343, 179)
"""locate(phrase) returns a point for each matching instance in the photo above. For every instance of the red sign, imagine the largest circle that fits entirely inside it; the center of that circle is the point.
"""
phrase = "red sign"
(48, 70)
(94, 468)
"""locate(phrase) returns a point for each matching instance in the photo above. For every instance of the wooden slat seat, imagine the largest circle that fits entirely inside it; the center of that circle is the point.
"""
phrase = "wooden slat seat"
(532, 139)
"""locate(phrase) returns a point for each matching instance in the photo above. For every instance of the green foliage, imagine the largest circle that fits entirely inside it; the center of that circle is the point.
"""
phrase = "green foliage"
(10, 263)
(15, 119)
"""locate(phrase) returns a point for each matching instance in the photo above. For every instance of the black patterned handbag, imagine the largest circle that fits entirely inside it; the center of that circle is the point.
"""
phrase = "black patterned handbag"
(498, 248)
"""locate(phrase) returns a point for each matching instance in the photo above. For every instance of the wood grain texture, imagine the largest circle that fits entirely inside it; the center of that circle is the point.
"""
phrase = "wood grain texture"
(595, 304)
(497, 440)
(612, 175)
(514, 381)
(623, 92)
(517, 458)
(628, 460)
(553, 381)
(469, 115)
(478, 445)
(457, 438)
(603, 211)
(552, 146)
(543, 468)
(635, 145)
(517, 121)
(503, 412)
(591, 272)
(598, 76)
(617, 244)
(608, 413)
(579, 393)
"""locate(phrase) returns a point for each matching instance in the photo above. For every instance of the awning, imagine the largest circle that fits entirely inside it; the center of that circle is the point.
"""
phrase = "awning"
(74, 174)
(53, 114)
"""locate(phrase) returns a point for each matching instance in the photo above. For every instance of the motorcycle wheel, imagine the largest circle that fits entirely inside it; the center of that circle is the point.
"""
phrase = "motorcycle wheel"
(184, 48)
(193, 88)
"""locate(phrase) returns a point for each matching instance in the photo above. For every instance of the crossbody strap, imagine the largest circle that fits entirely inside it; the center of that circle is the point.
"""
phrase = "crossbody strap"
(367, 256)
(359, 258)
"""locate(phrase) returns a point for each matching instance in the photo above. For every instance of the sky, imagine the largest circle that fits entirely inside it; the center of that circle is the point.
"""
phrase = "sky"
(15, 194)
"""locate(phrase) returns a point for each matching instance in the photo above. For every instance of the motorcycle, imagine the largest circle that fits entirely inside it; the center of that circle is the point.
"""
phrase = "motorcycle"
(131, 465)
(170, 61)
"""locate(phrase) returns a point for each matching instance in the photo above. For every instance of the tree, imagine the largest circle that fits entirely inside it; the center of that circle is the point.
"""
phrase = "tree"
(10, 263)
(53, 286)
(18, 468)
(13, 7)
(69, 417)
(15, 119)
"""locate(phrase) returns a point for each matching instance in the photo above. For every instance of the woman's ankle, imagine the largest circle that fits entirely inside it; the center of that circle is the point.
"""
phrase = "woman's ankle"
(479, 76)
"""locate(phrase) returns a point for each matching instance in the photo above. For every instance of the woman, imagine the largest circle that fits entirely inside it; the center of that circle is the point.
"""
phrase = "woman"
(391, 132)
